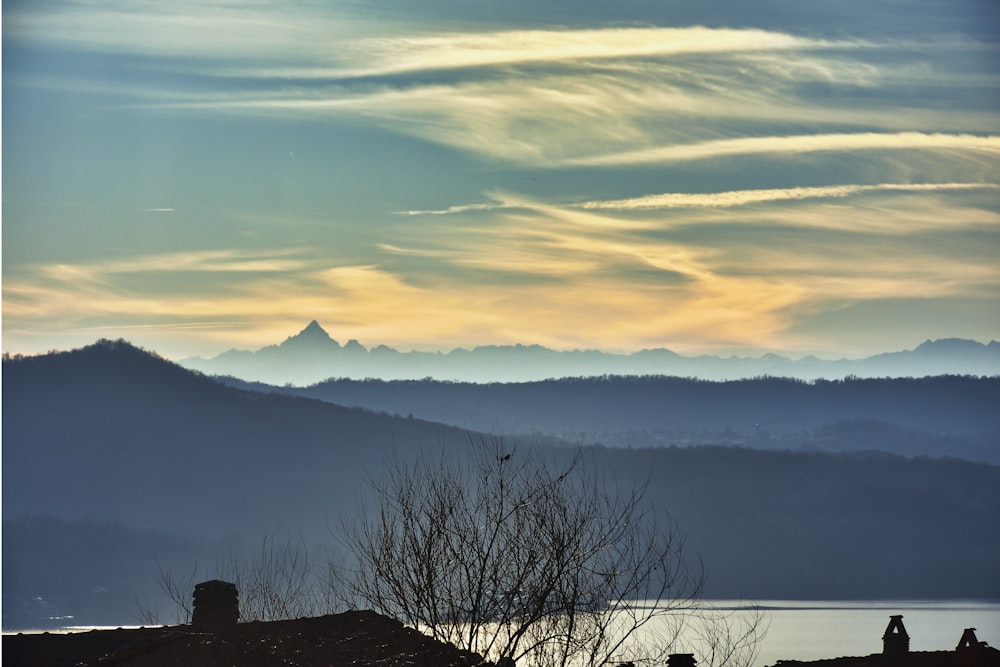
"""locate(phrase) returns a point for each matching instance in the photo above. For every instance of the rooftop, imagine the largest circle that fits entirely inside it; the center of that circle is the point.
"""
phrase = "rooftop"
(353, 638)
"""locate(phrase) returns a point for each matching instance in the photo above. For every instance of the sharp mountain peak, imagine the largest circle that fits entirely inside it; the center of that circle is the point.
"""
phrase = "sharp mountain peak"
(313, 333)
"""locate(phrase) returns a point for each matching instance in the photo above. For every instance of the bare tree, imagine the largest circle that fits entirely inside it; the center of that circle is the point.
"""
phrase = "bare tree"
(724, 636)
(178, 589)
(517, 557)
(278, 582)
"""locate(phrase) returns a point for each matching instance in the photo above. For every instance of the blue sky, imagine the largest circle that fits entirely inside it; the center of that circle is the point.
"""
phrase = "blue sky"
(709, 177)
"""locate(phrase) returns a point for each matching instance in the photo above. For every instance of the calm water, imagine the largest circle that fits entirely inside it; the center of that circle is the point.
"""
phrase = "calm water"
(813, 630)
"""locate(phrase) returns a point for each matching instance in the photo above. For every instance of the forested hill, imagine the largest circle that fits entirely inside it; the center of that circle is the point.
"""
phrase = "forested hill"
(774, 524)
(936, 416)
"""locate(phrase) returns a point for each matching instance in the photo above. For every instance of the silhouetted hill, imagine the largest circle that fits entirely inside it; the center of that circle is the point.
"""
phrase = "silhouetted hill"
(115, 432)
(934, 416)
(311, 356)
(115, 435)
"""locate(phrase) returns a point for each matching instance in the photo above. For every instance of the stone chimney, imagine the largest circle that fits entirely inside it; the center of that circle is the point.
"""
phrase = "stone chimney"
(216, 606)
(971, 652)
(895, 641)
(968, 642)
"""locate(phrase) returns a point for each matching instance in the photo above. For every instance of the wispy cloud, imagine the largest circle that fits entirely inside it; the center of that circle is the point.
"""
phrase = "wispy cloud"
(872, 212)
(300, 38)
(296, 52)
(113, 286)
(595, 115)
(735, 198)
(581, 275)
(837, 244)
(185, 28)
(201, 261)
(460, 208)
(546, 98)
(807, 143)
(449, 51)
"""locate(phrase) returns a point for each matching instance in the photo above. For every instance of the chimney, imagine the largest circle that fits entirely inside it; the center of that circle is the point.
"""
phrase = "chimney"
(216, 606)
(968, 642)
(895, 641)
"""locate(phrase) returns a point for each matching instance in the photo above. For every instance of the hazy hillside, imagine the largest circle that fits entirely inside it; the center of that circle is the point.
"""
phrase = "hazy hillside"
(177, 464)
(59, 572)
(781, 525)
(111, 431)
(312, 356)
(934, 416)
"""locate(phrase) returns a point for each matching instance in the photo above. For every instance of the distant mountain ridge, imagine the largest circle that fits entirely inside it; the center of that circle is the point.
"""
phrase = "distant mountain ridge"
(312, 356)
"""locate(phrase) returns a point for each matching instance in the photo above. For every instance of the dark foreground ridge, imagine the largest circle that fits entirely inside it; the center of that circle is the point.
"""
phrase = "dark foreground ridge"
(352, 638)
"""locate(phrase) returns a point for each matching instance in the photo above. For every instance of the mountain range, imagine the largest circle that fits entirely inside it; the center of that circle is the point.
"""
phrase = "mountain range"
(119, 464)
(313, 356)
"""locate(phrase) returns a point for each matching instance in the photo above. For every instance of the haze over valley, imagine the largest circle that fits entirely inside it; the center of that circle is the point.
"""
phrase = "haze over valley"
(118, 462)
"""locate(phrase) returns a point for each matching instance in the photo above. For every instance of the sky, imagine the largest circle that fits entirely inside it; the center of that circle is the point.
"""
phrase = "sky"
(710, 177)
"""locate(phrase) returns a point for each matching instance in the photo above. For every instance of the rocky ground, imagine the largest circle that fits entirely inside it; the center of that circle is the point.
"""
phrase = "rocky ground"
(352, 638)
